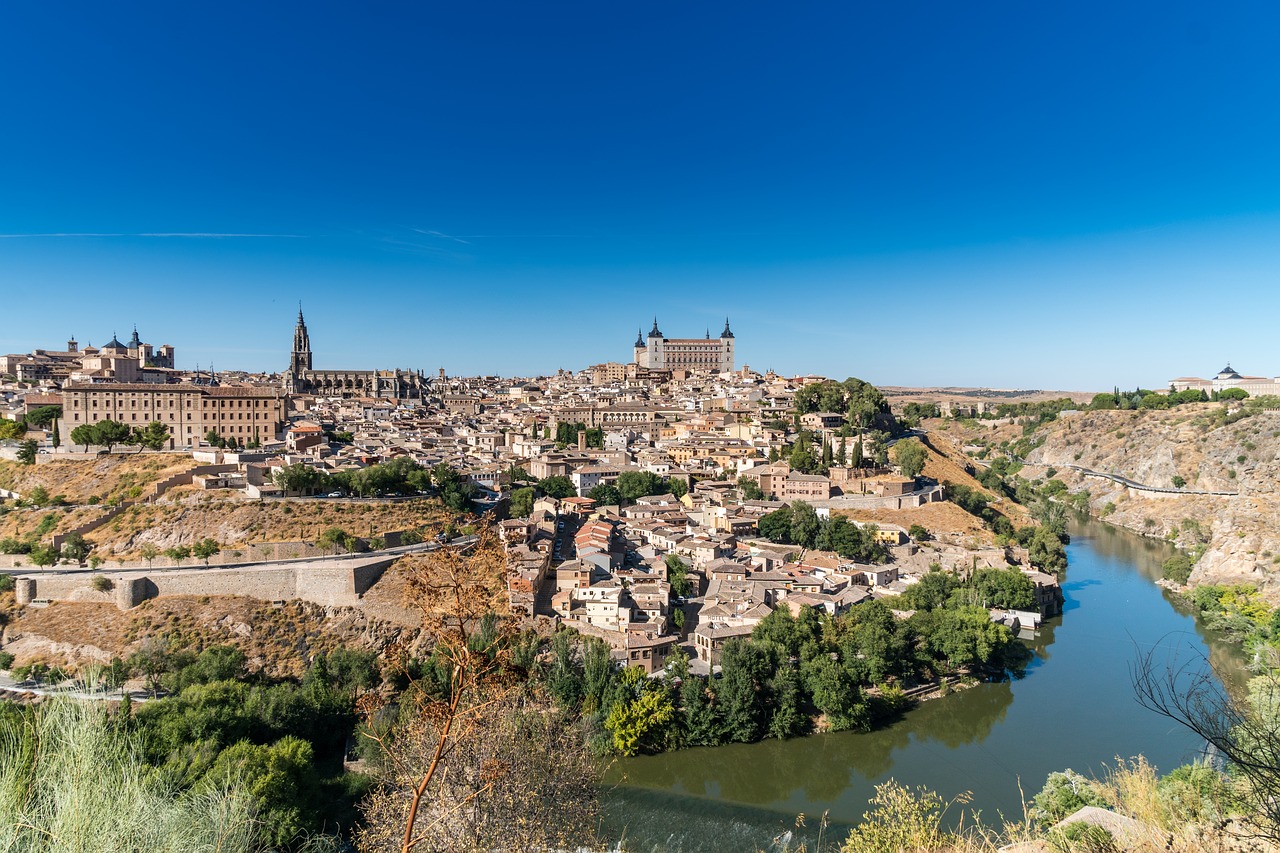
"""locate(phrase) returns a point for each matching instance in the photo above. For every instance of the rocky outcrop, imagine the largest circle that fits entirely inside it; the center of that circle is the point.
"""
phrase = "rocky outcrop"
(1204, 447)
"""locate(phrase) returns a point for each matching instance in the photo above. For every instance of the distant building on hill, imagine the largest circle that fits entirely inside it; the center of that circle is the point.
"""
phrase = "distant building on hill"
(1228, 378)
(301, 378)
(657, 352)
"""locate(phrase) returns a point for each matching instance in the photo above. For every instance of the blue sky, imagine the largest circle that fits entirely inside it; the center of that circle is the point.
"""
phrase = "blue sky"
(1010, 194)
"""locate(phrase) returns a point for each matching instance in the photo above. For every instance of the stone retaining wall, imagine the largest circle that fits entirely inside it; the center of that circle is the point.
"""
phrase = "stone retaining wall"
(330, 583)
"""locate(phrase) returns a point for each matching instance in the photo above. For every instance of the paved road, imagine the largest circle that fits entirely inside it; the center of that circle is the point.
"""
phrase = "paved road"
(9, 685)
(398, 551)
(1125, 481)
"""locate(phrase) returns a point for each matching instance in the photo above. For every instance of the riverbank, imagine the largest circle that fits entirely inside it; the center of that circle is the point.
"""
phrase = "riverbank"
(1074, 708)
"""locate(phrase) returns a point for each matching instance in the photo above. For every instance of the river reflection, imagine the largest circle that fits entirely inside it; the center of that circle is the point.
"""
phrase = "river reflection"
(1075, 708)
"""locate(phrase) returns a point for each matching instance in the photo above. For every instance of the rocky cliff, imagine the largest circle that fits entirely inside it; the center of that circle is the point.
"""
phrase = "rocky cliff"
(1193, 448)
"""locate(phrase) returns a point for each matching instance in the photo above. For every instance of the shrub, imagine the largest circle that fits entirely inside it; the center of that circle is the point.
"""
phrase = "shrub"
(1064, 792)
(1177, 568)
(6, 660)
(101, 583)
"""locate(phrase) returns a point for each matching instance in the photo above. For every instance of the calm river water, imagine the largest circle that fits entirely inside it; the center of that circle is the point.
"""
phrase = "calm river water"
(1075, 708)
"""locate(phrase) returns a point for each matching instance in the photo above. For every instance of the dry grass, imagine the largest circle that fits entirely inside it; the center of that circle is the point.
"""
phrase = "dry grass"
(114, 477)
(233, 522)
(21, 523)
(277, 640)
(935, 517)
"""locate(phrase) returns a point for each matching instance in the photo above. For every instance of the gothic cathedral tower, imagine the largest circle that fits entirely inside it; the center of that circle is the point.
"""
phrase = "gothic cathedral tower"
(301, 358)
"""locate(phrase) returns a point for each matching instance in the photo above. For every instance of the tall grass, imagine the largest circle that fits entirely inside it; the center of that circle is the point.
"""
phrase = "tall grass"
(73, 781)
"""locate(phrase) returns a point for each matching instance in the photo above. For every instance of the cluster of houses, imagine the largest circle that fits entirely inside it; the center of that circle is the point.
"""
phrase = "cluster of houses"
(606, 572)
(603, 569)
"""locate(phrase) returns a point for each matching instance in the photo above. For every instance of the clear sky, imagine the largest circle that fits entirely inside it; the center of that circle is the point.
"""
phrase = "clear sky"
(1012, 194)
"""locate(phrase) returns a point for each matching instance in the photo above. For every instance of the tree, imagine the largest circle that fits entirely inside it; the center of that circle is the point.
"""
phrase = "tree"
(750, 488)
(109, 433)
(776, 526)
(43, 416)
(476, 765)
(605, 495)
(178, 553)
(27, 451)
(835, 694)
(1046, 551)
(300, 479)
(75, 547)
(12, 429)
(204, 549)
(678, 487)
(522, 502)
(336, 537)
(1242, 727)
(678, 576)
(804, 524)
(637, 484)
(148, 551)
(154, 436)
(84, 435)
(213, 439)
(635, 723)
(43, 556)
(557, 487)
(910, 456)
(1007, 589)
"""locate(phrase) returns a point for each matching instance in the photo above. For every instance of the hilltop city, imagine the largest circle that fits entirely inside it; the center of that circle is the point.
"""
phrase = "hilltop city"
(676, 460)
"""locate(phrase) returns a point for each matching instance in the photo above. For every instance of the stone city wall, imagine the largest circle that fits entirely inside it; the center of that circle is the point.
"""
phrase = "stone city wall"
(330, 583)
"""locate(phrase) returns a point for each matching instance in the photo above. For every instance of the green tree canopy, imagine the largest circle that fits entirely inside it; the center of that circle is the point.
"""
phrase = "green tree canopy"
(154, 436)
(522, 502)
(910, 456)
(109, 433)
(557, 487)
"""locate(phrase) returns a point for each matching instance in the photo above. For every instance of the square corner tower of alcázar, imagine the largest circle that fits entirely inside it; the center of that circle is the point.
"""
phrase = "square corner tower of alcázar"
(661, 353)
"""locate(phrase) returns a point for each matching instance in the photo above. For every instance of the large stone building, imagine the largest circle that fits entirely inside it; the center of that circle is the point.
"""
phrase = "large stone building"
(245, 413)
(301, 378)
(1228, 378)
(707, 354)
(114, 362)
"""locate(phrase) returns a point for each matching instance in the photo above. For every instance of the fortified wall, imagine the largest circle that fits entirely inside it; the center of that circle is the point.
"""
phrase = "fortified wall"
(329, 583)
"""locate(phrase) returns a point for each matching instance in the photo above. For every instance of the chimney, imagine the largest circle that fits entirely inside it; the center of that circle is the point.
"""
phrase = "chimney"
(582, 439)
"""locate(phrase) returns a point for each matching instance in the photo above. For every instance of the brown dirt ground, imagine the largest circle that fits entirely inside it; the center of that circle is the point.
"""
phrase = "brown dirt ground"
(21, 523)
(111, 477)
(235, 522)
(934, 517)
(277, 640)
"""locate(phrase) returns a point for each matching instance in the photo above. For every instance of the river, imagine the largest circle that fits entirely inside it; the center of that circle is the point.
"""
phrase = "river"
(1074, 708)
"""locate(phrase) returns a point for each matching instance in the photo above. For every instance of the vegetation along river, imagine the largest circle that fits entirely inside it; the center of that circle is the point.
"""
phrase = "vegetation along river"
(1074, 708)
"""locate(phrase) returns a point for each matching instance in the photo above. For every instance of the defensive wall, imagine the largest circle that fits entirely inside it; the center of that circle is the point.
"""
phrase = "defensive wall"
(330, 583)
(911, 500)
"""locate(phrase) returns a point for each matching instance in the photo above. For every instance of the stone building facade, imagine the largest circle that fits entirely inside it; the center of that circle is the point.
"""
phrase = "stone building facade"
(246, 413)
(657, 352)
(302, 378)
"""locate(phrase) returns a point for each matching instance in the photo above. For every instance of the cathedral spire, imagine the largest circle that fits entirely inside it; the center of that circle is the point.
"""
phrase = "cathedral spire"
(654, 333)
(726, 333)
(300, 360)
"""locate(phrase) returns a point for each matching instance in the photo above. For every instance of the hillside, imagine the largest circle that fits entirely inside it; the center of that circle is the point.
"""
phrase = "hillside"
(1205, 445)
(104, 479)
(280, 641)
(232, 522)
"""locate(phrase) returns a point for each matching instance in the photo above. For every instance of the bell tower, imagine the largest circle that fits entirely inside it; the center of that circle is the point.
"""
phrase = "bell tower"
(301, 358)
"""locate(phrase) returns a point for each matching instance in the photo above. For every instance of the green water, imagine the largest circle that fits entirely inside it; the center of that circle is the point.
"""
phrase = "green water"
(1075, 708)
